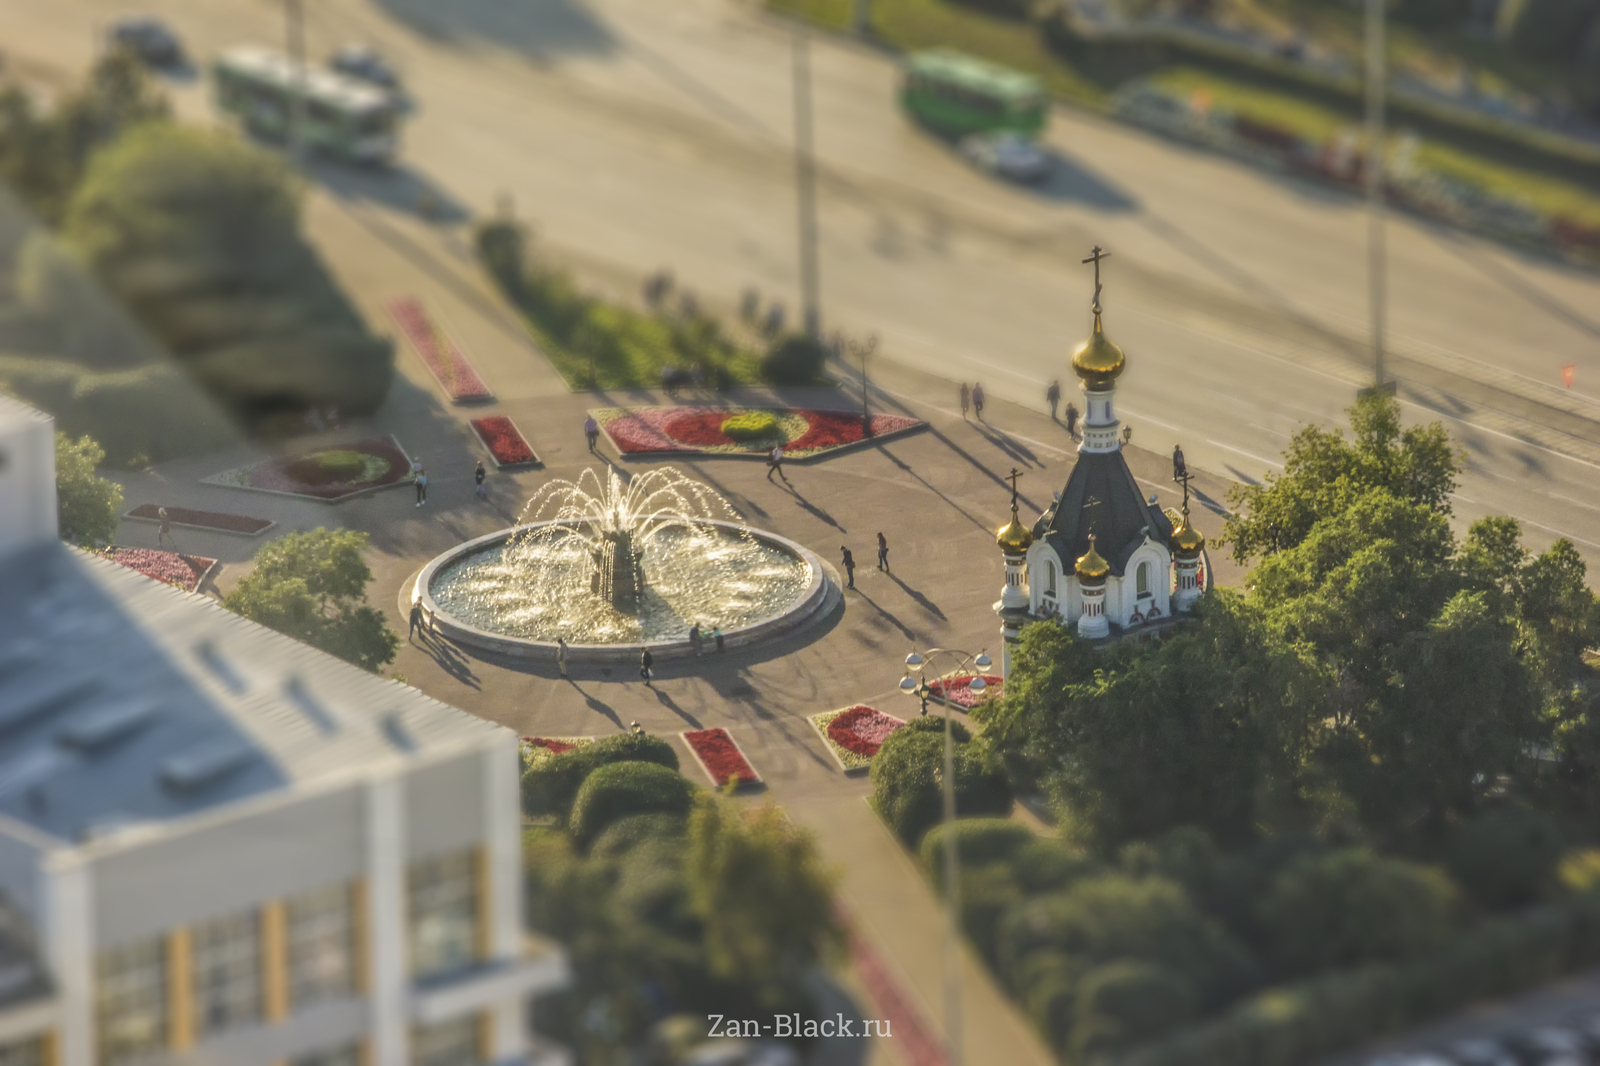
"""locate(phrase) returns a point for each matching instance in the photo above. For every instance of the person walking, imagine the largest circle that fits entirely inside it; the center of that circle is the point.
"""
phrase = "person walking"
(561, 655)
(478, 475)
(849, 567)
(591, 429)
(775, 463)
(646, 661)
(1053, 394)
(977, 400)
(883, 553)
(164, 533)
(694, 637)
(416, 620)
(716, 635)
(966, 399)
(1072, 420)
(1180, 469)
(421, 480)
(416, 466)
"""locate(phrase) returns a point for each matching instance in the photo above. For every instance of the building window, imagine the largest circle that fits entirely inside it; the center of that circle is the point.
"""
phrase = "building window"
(1142, 580)
(452, 1043)
(444, 913)
(1049, 579)
(131, 999)
(25, 1053)
(349, 1055)
(321, 946)
(227, 972)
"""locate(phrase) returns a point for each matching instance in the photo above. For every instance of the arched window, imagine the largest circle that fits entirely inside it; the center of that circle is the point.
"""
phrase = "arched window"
(1049, 579)
(1141, 579)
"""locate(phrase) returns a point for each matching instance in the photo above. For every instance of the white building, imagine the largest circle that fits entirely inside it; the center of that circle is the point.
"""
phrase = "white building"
(221, 846)
(1105, 558)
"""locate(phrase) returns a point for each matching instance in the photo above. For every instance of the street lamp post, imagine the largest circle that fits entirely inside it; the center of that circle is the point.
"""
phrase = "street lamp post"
(1376, 255)
(862, 351)
(918, 686)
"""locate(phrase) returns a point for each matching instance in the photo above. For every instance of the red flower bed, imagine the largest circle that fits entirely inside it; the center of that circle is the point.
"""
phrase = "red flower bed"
(439, 353)
(804, 431)
(549, 744)
(183, 571)
(702, 427)
(183, 516)
(959, 692)
(862, 730)
(721, 757)
(504, 441)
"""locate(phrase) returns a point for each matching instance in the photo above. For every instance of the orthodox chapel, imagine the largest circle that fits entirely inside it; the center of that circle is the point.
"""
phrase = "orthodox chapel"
(1105, 558)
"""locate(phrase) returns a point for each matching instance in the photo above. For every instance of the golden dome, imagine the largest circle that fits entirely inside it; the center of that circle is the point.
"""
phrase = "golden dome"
(1187, 541)
(1091, 566)
(1014, 537)
(1098, 361)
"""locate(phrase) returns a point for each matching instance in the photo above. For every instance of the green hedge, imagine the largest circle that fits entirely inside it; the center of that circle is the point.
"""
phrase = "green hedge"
(906, 787)
(549, 787)
(626, 834)
(616, 790)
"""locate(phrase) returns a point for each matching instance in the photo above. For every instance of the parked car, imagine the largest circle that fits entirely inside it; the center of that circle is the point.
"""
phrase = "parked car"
(149, 39)
(1550, 1046)
(1007, 154)
(363, 62)
(1481, 1051)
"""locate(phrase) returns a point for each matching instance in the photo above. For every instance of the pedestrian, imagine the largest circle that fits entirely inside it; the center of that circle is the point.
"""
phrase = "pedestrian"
(849, 567)
(416, 618)
(966, 399)
(561, 655)
(478, 475)
(694, 637)
(416, 466)
(421, 480)
(164, 533)
(646, 661)
(1072, 420)
(716, 635)
(883, 553)
(591, 429)
(977, 400)
(1053, 394)
(775, 463)
(1180, 469)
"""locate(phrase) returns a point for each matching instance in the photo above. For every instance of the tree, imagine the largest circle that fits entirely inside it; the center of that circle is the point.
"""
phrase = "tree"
(908, 772)
(88, 504)
(762, 895)
(313, 587)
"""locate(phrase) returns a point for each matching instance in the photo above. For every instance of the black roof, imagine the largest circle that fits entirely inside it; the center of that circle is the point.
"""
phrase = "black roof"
(1120, 522)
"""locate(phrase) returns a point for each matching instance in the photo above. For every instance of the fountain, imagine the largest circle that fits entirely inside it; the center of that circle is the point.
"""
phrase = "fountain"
(613, 565)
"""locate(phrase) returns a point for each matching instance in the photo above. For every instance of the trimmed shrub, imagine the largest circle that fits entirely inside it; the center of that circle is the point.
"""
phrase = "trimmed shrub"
(979, 841)
(1050, 866)
(1505, 858)
(1122, 1002)
(751, 425)
(797, 359)
(1351, 906)
(549, 788)
(650, 881)
(617, 790)
(905, 783)
(935, 724)
(625, 834)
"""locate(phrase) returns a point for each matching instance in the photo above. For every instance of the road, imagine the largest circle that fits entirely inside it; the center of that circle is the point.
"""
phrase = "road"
(637, 135)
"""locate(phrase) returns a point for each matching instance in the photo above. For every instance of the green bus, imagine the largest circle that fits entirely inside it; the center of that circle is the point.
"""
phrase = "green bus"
(956, 94)
(343, 117)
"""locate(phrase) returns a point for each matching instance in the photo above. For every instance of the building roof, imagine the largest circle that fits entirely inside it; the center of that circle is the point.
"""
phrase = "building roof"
(946, 64)
(126, 702)
(1121, 521)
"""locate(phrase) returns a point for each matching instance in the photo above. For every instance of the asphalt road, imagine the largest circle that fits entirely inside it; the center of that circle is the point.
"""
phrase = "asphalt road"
(637, 135)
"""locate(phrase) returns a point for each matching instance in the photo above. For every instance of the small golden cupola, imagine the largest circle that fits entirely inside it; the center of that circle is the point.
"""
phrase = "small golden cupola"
(1014, 538)
(1187, 541)
(1091, 566)
(1098, 361)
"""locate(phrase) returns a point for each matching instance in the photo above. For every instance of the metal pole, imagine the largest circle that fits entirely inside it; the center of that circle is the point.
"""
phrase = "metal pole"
(297, 101)
(806, 182)
(1376, 266)
(952, 943)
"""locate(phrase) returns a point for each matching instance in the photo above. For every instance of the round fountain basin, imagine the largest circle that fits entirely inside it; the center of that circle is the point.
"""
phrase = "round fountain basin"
(515, 593)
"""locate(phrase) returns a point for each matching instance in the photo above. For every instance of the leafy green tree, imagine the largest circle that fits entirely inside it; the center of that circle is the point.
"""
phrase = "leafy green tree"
(88, 504)
(907, 778)
(1324, 473)
(762, 895)
(313, 586)
(1504, 858)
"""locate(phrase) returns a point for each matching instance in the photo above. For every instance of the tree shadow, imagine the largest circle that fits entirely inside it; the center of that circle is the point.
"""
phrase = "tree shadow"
(1018, 452)
(1072, 181)
(541, 30)
(906, 468)
(401, 188)
(921, 600)
(1459, 246)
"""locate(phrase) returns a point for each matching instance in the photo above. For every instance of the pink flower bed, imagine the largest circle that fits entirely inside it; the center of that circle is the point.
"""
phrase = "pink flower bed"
(444, 360)
(536, 750)
(855, 734)
(720, 756)
(958, 690)
(504, 440)
(802, 431)
(182, 571)
(387, 464)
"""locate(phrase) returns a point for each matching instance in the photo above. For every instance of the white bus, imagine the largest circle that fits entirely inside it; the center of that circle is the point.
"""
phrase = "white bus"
(343, 117)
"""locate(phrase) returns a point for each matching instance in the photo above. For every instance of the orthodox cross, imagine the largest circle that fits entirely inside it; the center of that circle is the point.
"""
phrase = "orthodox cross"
(1184, 479)
(1093, 507)
(1012, 477)
(1095, 255)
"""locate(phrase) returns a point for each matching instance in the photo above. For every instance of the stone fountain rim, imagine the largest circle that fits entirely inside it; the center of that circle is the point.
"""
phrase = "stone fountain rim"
(812, 600)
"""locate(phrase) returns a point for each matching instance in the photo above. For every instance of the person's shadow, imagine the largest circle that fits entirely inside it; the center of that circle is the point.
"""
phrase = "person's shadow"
(449, 658)
(670, 704)
(595, 704)
(921, 600)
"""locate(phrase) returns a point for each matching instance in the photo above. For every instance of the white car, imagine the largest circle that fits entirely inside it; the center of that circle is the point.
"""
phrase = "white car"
(1008, 154)
(363, 62)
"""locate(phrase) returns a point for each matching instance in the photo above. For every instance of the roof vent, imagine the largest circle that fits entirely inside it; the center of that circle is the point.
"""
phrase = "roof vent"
(298, 694)
(205, 763)
(102, 727)
(208, 653)
(396, 732)
(45, 698)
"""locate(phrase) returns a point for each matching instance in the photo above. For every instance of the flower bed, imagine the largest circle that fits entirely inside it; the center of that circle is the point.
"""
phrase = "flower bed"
(958, 691)
(181, 571)
(855, 734)
(439, 353)
(720, 757)
(507, 446)
(536, 750)
(211, 521)
(803, 432)
(383, 463)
